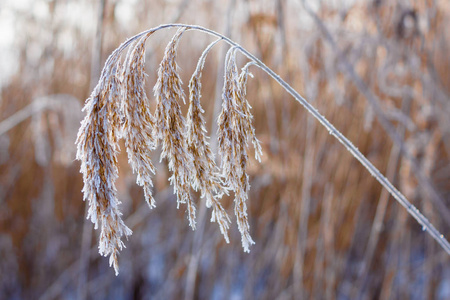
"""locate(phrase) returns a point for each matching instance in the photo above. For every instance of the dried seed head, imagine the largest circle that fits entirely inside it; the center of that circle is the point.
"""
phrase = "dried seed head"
(235, 128)
(139, 124)
(170, 126)
(119, 107)
(246, 111)
(97, 151)
(205, 172)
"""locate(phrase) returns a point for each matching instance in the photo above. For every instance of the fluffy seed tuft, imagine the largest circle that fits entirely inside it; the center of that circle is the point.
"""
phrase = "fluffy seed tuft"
(206, 173)
(97, 150)
(171, 126)
(139, 124)
(119, 108)
(235, 128)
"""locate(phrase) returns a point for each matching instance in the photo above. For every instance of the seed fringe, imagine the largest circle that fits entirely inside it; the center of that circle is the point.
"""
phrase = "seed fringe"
(119, 108)
(97, 150)
(171, 126)
(139, 124)
(206, 177)
(235, 128)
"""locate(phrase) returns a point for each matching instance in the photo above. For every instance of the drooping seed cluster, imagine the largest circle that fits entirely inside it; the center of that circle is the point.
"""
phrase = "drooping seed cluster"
(171, 126)
(139, 124)
(119, 108)
(97, 149)
(206, 177)
(235, 128)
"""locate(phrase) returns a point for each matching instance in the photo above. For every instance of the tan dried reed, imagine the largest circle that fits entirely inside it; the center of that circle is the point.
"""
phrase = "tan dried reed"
(139, 124)
(171, 126)
(118, 107)
(97, 150)
(235, 128)
(206, 177)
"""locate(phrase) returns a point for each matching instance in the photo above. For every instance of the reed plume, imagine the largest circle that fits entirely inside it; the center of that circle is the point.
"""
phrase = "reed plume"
(97, 150)
(118, 107)
(139, 124)
(171, 126)
(206, 176)
(235, 128)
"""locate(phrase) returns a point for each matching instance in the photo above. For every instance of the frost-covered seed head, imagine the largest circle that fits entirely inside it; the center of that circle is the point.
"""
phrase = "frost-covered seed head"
(97, 150)
(119, 108)
(171, 126)
(139, 124)
(206, 177)
(235, 128)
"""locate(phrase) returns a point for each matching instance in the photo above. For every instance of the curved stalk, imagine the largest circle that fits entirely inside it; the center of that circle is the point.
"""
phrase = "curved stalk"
(412, 210)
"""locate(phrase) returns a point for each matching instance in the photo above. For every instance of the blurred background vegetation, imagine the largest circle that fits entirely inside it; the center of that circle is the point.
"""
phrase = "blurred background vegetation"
(324, 229)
